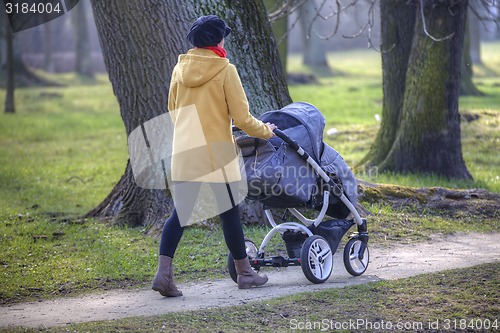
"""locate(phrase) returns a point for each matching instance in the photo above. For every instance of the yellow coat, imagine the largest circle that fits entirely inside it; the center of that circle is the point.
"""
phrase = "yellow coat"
(205, 96)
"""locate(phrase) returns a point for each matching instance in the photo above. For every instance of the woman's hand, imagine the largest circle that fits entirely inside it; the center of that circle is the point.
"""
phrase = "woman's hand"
(272, 127)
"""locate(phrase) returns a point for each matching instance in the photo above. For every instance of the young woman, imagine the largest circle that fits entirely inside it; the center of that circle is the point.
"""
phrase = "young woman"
(205, 97)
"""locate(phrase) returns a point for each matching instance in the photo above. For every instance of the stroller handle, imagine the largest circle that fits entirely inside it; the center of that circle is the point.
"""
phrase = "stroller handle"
(280, 134)
(292, 143)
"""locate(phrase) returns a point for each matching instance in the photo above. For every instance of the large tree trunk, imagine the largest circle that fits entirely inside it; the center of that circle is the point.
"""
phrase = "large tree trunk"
(139, 58)
(428, 140)
(141, 41)
(397, 19)
(83, 50)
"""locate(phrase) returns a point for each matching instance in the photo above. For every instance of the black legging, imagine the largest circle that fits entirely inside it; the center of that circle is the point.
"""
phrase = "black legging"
(231, 226)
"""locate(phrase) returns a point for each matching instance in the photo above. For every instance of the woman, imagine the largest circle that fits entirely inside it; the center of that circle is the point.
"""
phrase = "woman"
(205, 96)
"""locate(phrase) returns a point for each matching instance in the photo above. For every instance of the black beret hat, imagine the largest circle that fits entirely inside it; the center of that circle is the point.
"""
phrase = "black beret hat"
(207, 31)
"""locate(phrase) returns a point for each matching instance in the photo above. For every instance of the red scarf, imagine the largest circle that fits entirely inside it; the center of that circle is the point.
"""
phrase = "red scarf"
(221, 52)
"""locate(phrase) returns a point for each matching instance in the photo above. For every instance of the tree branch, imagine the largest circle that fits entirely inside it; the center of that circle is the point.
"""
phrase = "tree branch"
(425, 26)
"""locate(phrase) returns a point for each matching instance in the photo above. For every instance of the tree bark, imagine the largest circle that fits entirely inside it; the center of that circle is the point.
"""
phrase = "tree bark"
(428, 139)
(253, 49)
(139, 58)
(141, 41)
(397, 19)
(83, 54)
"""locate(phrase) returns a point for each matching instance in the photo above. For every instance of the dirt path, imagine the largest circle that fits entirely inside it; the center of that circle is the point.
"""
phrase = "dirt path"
(393, 262)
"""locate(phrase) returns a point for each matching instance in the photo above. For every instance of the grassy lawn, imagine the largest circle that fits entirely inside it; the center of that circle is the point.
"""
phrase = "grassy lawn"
(65, 148)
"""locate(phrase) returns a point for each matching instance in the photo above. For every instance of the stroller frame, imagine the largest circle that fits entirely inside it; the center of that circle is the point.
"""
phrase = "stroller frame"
(316, 253)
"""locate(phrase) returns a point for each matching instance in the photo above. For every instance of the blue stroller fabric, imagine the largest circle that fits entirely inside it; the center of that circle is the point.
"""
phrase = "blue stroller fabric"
(276, 174)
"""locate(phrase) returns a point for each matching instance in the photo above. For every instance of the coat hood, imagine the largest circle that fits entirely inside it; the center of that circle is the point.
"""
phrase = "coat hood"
(199, 66)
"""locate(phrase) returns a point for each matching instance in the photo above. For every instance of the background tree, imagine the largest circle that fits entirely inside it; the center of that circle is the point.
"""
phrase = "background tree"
(10, 84)
(467, 86)
(280, 29)
(83, 49)
(397, 18)
(314, 50)
(474, 31)
(141, 41)
(24, 76)
(48, 46)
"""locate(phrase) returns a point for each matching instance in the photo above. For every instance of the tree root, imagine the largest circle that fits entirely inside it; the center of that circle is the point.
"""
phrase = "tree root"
(457, 203)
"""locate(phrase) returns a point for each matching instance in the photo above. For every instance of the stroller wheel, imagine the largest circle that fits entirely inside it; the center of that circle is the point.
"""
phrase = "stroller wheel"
(316, 259)
(251, 250)
(352, 261)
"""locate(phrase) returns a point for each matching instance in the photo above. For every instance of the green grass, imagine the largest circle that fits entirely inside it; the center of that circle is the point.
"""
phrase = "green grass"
(65, 149)
(62, 151)
(456, 300)
(44, 257)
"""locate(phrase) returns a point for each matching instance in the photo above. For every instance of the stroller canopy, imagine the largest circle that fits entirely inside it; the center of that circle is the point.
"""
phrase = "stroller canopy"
(305, 123)
(302, 122)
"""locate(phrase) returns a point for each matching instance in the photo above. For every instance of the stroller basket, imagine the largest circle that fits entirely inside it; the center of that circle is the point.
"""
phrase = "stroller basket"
(293, 242)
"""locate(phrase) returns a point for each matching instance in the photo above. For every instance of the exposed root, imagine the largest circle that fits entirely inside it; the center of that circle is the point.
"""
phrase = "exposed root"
(478, 202)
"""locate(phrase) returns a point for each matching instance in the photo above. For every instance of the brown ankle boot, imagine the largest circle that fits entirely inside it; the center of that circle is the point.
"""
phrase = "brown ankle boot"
(164, 281)
(247, 277)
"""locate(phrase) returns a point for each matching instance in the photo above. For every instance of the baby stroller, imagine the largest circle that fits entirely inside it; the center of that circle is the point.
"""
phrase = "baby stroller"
(283, 174)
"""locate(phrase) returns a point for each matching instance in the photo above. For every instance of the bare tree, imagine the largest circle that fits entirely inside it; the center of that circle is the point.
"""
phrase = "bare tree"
(467, 86)
(420, 130)
(474, 32)
(83, 54)
(314, 50)
(427, 138)
(280, 30)
(24, 76)
(141, 41)
(397, 19)
(48, 46)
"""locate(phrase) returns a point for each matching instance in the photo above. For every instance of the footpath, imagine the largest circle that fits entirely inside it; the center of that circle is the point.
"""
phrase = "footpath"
(392, 262)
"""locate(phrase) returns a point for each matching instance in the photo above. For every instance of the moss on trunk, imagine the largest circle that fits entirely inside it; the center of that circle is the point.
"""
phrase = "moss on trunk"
(397, 23)
(428, 138)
